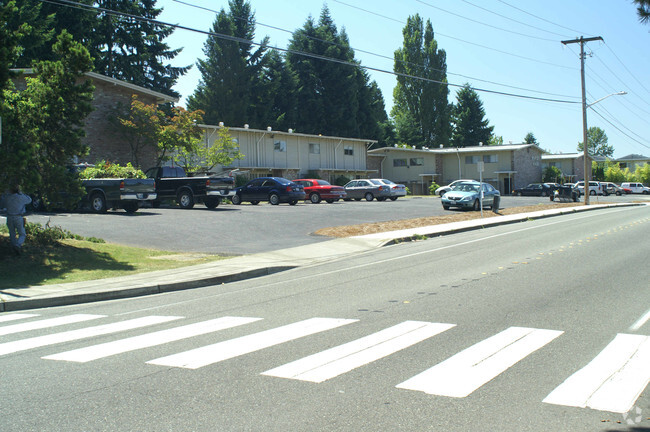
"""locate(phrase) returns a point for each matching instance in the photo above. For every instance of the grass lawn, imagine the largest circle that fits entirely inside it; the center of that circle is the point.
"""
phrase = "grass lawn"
(71, 260)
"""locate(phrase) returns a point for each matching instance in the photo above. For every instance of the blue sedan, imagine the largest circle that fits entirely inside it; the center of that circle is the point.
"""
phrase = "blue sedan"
(272, 189)
(466, 195)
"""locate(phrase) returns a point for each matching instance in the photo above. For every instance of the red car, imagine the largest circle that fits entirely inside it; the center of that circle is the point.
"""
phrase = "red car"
(317, 190)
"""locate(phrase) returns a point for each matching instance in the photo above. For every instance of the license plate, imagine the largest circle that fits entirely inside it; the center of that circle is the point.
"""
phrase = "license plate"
(140, 196)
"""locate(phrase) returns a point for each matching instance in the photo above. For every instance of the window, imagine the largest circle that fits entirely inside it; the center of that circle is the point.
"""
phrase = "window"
(399, 162)
(469, 160)
(348, 150)
(490, 159)
(314, 148)
(416, 161)
(280, 146)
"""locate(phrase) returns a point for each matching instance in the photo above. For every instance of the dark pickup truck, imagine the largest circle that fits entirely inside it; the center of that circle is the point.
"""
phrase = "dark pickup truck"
(172, 183)
(128, 193)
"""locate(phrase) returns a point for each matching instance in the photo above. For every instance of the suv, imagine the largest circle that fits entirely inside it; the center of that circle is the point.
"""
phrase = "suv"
(636, 188)
(610, 188)
(594, 188)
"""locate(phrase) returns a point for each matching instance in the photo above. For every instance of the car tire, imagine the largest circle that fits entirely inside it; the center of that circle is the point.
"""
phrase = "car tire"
(185, 199)
(393, 198)
(544, 194)
(274, 199)
(212, 203)
(294, 202)
(236, 200)
(477, 205)
(518, 194)
(618, 193)
(369, 197)
(445, 207)
(98, 203)
(314, 198)
(130, 207)
(645, 192)
(592, 193)
(329, 201)
(255, 202)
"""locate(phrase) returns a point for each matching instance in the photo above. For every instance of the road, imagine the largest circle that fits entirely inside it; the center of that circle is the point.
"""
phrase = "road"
(245, 229)
(493, 329)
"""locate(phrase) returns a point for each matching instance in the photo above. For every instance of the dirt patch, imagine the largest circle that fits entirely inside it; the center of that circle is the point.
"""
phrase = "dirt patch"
(453, 216)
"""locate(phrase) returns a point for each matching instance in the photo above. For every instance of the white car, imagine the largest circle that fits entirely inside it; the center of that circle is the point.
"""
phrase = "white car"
(396, 189)
(444, 189)
(594, 188)
(636, 188)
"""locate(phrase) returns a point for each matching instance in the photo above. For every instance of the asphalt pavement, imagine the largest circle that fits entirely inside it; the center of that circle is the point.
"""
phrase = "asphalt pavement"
(247, 266)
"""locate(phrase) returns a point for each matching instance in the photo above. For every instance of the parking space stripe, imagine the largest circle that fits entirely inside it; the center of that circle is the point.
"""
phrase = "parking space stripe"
(14, 317)
(95, 352)
(47, 323)
(612, 381)
(215, 353)
(468, 370)
(40, 341)
(344, 358)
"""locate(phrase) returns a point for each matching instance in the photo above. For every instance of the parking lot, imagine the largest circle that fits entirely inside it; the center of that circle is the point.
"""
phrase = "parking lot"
(245, 229)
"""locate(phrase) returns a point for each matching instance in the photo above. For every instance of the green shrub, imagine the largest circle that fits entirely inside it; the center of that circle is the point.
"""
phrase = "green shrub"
(341, 181)
(103, 169)
(433, 187)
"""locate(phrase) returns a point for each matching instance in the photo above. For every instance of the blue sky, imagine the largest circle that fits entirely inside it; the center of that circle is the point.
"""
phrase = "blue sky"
(500, 45)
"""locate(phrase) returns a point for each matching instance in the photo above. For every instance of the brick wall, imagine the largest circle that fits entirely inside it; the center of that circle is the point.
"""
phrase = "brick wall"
(528, 164)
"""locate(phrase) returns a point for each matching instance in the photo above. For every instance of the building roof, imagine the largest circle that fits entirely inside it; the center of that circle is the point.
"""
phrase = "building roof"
(634, 157)
(562, 156)
(447, 150)
(160, 97)
(291, 133)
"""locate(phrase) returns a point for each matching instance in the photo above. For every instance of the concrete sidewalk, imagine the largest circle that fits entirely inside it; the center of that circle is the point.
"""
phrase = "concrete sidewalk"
(246, 267)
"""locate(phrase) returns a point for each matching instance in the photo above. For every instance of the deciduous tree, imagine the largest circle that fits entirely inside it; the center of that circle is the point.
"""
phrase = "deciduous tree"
(597, 143)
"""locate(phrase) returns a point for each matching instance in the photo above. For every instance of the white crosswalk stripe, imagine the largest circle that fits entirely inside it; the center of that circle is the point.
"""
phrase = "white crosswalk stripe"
(47, 323)
(95, 352)
(15, 317)
(468, 370)
(40, 341)
(612, 381)
(338, 360)
(215, 353)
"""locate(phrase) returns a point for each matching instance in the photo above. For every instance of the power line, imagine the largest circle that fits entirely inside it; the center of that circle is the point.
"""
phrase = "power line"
(485, 24)
(458, 39)
(542, 19)
(296, 52)
(618, 129)
(381, 55)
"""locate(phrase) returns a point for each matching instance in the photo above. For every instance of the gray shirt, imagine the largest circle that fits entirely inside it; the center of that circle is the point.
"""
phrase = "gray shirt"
(15, 203)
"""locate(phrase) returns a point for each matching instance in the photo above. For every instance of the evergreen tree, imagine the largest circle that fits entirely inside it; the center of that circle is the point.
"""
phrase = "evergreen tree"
(470, 125)
(424, 101)
(530, 139)
(273, 99)
(643, 10)
(230, 73)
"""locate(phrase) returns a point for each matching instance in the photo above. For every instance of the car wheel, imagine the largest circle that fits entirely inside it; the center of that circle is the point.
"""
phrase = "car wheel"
(330, 201)
(314, 198)
(476, 206)
(185, 199)
(357, 199)
(98, 203)
(445, 207)
(369, 196)
(274, 199)
(130, 207)
(38, 204)
(236, 199)
(381, 198)
(212, 203)
(497, 202)
(544, 193)
(518, 194)
(441, 193)
(393, 198)
(645, 192)
(592, 192)
(294, 202)
(255, 202)
(618, 193)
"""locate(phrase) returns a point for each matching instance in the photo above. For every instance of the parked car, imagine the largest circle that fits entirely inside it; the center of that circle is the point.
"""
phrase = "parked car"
(444, 189)
(317, 190)
(396, 189)
(594, 188)
(272, 189)
(534, 189)
(172, 183)
(610, 188)
(366, 188)
(466, 195)
(636, 188)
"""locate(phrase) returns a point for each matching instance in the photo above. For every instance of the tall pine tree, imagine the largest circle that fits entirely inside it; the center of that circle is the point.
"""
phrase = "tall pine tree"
(470, 125)
(421, 101)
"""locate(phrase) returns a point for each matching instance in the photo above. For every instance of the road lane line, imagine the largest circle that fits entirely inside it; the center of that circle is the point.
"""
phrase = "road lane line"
(468, 370)
(343, 358)
(215, 353)
(47, 323)
(83, 355)
(641, 321)
(14, 317)
(612, 381)
(72, 335)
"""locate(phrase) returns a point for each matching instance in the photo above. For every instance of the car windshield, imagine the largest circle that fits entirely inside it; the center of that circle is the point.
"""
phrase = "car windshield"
(465, 187)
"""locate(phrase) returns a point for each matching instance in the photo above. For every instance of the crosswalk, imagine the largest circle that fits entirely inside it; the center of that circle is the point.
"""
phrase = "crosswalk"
(612, 381)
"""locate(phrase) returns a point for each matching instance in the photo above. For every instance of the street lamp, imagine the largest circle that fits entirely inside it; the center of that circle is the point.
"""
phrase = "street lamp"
(587, 165)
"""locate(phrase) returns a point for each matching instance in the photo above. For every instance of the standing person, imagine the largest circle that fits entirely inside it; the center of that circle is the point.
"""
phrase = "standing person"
(15, 203)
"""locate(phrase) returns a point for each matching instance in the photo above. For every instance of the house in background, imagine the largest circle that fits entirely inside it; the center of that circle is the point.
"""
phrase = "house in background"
(632, 161)
(102, 137)
(505, 167)
(294, 155)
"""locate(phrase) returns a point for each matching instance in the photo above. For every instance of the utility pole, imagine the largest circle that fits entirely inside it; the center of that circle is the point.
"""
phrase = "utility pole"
(587, 166)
